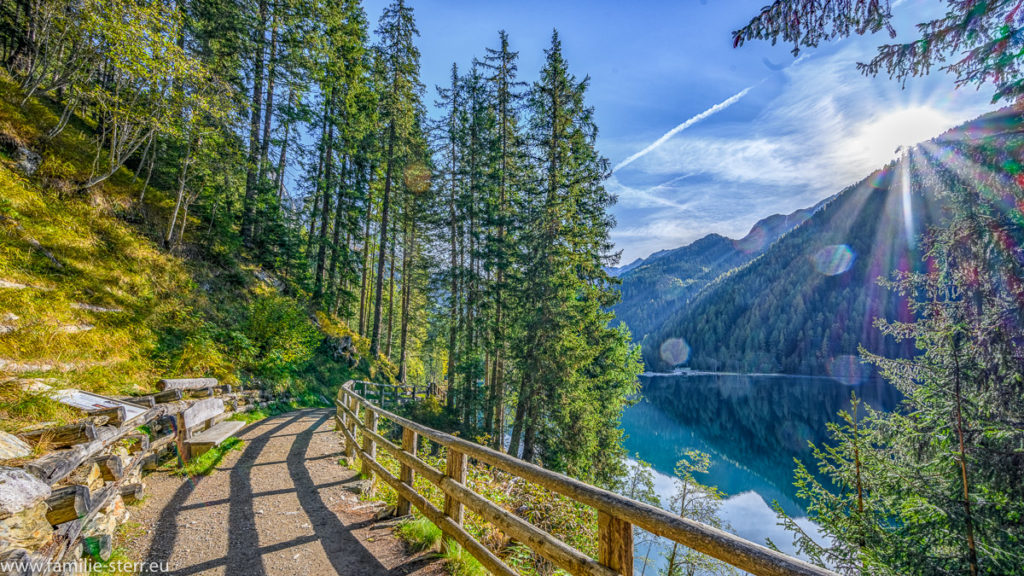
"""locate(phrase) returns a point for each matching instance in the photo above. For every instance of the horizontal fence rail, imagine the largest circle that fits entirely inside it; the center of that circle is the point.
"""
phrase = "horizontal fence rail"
(617, 515)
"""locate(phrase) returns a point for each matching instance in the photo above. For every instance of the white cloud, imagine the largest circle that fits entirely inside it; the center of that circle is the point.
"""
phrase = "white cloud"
(823, 128)
(668, 135)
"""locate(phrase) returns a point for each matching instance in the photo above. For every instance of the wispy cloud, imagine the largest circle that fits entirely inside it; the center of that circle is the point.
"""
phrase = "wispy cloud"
(668, 135)
(823, 127)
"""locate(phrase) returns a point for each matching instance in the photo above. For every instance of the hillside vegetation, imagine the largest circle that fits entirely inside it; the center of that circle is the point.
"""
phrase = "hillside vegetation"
(809, 302)
(660, 285)
(89, 300)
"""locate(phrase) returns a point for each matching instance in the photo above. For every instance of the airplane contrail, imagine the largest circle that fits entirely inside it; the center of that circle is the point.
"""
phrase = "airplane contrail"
(709, 112)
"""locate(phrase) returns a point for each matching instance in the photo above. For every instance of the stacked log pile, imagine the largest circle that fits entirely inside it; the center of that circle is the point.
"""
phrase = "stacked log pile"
(64, 489)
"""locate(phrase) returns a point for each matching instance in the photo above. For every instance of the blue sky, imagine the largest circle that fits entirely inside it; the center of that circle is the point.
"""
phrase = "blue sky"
(801, 130)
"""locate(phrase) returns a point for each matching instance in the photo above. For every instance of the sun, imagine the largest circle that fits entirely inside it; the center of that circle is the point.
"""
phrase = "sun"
(879, 139)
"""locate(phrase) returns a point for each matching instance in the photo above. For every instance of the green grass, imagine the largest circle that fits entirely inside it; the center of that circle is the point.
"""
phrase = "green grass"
(177, 317)
(461, 563)
(420, 534)
(207, 463)
(262, 413)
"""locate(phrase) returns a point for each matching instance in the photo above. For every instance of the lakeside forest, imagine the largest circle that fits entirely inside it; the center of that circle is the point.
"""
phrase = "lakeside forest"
(260, 187)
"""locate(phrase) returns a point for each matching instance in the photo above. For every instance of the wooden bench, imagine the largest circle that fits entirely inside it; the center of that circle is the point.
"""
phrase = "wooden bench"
(202, 426)
(213, 436)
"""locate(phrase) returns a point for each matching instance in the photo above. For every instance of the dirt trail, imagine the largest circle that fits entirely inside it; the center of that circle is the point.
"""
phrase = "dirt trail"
(280, 506)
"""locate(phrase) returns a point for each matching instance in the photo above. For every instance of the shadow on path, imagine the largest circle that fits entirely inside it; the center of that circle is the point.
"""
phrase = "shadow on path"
(346, 554)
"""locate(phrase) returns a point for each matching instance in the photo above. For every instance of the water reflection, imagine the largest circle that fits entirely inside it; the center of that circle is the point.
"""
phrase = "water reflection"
(753, 426)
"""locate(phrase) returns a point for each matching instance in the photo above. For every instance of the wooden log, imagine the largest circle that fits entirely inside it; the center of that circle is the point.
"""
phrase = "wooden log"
(68, 503)
(137, 442)
(406, 474)
(146, 401)
(115, 415)
(111, 467)
(133, 493)
(63, 436)
(56, 466)
(185, 383)
(167, 396)
(615, 543)
(200, 393)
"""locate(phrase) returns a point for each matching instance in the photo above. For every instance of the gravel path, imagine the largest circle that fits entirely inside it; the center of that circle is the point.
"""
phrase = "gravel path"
(279, 506)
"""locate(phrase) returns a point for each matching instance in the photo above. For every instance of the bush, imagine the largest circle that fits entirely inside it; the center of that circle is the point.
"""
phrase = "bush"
(280, 335)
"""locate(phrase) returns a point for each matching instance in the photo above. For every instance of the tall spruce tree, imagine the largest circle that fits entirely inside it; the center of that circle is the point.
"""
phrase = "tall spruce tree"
(576, 371)
(398, 60)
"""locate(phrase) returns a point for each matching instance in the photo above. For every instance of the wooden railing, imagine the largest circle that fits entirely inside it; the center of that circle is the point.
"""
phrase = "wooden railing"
(357, 419)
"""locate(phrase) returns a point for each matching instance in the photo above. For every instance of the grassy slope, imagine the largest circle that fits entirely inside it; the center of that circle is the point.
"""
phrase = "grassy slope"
(177, 317)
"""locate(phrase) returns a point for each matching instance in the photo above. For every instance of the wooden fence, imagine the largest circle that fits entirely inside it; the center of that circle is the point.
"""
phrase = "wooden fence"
(357, 420)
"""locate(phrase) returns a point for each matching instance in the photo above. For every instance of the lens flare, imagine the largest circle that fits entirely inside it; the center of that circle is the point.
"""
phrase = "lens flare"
(675, 351)
(847, 369)
(833, 260)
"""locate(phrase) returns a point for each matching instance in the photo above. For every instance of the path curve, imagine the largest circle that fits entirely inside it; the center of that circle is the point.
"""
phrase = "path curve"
(280, 506)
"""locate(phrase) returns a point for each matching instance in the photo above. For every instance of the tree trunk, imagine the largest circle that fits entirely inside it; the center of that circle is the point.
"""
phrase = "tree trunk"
(325, 210)
(251, 171)
(336, 246)
(972, 552)
(281, 162)
(391, 291)
(268, 108)
(182, 179)
(382, 249)
(408, 253)
(364, 287)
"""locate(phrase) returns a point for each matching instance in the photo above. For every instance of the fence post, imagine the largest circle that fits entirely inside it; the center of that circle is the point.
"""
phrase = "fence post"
(353, 406)
(369, 446)
(406, 474)
(455, 468)
(615, 543)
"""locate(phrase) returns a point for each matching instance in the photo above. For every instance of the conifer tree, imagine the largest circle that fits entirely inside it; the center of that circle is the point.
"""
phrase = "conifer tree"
(575, 370)
(398, 60)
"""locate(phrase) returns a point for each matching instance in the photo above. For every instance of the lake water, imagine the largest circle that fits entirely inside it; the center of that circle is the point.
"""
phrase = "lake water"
(752, 427)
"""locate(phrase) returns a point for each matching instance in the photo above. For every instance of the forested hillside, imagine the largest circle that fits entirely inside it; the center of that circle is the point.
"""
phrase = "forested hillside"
(660, 285)
(280, 161)
(809, 302)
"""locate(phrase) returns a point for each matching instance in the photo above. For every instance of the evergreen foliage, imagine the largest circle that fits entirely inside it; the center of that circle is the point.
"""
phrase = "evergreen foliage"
(292, 146)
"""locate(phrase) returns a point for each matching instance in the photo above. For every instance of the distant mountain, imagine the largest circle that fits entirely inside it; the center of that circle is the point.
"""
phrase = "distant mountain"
(810, 299)
(658, 286)
(620, 270)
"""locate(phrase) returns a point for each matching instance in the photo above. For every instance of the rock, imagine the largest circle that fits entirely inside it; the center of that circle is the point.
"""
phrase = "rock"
(19, 491)
(26, 161)
(385, 513)
(20, 562)
(27, 529)
(13, 447)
